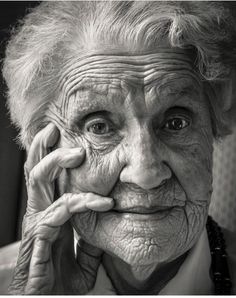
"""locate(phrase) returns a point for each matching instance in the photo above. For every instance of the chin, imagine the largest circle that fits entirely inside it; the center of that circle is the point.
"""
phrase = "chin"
(143, 239)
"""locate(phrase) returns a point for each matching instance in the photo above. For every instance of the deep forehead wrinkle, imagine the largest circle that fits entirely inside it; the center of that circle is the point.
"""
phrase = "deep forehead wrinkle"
(138, 68)
(162, 53)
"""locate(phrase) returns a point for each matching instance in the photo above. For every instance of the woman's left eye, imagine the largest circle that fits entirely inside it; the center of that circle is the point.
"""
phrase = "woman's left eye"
(176, 123)
(99, 128)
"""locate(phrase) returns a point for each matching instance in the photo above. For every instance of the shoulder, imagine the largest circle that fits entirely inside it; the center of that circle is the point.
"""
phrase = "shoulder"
(230, 240)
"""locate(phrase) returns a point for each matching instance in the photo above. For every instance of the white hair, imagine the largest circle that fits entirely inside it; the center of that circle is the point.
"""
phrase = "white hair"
(54, 32)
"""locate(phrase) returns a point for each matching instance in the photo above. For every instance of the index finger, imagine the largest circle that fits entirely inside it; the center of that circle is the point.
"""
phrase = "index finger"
(39, 148)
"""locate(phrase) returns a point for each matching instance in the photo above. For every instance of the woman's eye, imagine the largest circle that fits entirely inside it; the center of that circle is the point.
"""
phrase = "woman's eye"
(99, 128)
(176, 123)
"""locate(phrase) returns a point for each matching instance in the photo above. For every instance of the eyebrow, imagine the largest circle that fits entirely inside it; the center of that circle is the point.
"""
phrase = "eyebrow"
(189, 98)
(183, 86)
(92, 98)
(84, 101)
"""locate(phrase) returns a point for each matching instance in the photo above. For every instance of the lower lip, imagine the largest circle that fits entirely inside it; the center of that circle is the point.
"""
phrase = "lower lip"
(142, 216)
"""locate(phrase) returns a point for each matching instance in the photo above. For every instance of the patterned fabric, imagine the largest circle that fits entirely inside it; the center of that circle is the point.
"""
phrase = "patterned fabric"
(223, 205)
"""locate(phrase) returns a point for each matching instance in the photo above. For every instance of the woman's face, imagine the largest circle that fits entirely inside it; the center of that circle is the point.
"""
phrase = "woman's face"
(145, 126)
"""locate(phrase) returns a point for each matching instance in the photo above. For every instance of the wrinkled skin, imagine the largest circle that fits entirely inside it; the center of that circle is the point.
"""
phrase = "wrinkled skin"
(47, 263)
(139, 187)
(135, 158)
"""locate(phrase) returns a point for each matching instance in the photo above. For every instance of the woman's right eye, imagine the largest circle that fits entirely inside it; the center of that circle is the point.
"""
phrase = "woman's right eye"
(176, 123)
(99, 128)
(98, 125)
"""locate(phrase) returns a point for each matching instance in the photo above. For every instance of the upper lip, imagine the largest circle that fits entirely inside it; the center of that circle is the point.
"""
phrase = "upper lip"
(143, 209)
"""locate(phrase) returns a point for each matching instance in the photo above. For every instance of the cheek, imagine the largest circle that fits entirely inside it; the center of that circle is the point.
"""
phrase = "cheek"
(192, 165)
(98, 173)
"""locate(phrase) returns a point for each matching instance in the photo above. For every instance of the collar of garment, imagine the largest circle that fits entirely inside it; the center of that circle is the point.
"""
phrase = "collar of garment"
(192, 278)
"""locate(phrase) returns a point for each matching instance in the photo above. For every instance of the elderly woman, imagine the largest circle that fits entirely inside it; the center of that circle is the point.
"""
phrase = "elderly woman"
(118, 105)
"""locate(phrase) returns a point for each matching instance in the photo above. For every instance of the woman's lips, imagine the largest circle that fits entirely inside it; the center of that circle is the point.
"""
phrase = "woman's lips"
(142, 213)
(142, 209)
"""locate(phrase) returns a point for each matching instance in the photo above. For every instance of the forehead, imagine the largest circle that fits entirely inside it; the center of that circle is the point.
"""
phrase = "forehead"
(113, 76)
(139, 70)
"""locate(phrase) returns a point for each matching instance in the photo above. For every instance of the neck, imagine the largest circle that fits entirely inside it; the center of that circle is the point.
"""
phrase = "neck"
(133, 280)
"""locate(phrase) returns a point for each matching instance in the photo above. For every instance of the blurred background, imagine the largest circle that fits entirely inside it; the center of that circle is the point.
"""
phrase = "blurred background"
(12, 186)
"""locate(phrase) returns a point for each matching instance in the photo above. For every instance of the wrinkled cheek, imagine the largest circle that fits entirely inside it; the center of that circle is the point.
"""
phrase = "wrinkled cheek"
(193, 169)
(98, 173)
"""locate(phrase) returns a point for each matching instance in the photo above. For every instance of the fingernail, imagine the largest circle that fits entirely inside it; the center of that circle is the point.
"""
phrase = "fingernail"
(109, 200)
(77, 150)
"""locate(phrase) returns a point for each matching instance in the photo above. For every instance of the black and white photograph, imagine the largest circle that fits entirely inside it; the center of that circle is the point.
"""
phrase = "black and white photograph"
(118, 148)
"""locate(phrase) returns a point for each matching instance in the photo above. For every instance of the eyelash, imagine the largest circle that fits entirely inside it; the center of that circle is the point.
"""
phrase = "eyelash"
(186, 121)
(91, 125)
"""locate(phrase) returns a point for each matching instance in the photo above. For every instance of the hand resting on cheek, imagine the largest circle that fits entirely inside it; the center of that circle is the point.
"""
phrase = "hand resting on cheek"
(46, 262)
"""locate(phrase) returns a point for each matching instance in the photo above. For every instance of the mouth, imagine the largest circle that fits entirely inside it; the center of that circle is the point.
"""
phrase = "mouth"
(143, 210)
(142, 213)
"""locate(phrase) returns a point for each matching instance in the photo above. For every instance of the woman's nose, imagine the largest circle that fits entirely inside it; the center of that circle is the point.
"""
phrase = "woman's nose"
(145, 166)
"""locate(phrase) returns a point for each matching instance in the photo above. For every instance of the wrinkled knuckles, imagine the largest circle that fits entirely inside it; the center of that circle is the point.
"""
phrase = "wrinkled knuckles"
(26, 172)
(34, 177)
(67, 200)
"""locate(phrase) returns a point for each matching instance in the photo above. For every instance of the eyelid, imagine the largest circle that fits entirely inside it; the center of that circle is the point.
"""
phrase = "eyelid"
(99, 115)
(179, 110)
(95, 120)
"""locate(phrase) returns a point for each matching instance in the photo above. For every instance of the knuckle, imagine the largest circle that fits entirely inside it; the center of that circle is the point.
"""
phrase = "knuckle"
(32, 178)
(64, 199)
(26, 167)
(29, 226)
(26, 172)
(35, 176)
(66, 196)
(67, 200)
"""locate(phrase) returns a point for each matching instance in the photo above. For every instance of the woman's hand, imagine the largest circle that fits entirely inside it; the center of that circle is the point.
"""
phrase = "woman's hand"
(46, 262)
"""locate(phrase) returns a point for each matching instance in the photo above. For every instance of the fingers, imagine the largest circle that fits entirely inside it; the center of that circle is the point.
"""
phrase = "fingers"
(50, 167)
(39, 148)
(43, 140)
(40, 186)
(35, 271)
(62, 210)
(43, 168)
(41, 275)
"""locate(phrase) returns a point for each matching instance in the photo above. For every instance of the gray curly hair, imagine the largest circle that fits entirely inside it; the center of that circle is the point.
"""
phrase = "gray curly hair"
(55, 32)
